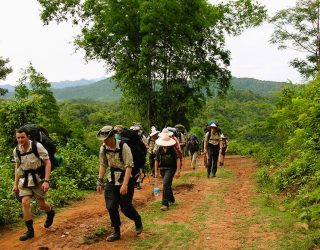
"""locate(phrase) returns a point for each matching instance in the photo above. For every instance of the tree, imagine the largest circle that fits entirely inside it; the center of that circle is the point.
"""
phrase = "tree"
(4, 71)
(166, 54)
(35, 104)
(298, 28)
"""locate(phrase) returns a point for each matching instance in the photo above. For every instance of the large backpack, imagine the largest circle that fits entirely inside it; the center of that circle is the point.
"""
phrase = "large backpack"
(41, 135)
(138, 150)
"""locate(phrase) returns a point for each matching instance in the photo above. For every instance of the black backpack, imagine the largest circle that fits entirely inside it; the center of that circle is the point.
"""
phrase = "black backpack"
(41, 135)
(138, 150)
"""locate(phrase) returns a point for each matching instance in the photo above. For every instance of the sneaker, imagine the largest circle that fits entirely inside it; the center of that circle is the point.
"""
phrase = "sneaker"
(171, 203)
(164, 208)
(49, 220)
(113, 237)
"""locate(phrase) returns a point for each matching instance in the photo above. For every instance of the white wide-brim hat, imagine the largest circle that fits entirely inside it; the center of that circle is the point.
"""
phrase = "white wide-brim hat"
(165, 132)
(165, 140)
(154, 131)
(105, 132)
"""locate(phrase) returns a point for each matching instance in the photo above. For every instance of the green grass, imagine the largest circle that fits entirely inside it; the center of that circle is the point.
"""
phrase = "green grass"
(98, 234)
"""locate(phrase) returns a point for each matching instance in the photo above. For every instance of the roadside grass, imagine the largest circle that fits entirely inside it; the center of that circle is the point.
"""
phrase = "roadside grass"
(290, 232)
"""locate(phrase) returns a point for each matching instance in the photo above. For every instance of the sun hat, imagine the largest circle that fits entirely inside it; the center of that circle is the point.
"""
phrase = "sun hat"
(135, 128)
(165, 140)
(105, 132)
(212, 125)
(179, 126)
(154, 131)
(118, 127)
(165, 131)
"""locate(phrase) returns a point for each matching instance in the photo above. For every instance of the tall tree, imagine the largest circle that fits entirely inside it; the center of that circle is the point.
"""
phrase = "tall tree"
(298, 28)
(4, 71)
(166, 54)
(33, 103)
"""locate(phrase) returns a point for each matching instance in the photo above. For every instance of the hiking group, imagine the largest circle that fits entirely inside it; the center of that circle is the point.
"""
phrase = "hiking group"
(123, 152)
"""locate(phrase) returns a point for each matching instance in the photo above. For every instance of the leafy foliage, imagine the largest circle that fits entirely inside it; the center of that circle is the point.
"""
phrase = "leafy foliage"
(299, 28)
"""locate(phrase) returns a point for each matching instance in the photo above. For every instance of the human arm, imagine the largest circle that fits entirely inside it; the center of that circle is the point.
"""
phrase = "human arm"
(127, 176)
(156, 167)
(45, 184)
(177, 174)
(102, 171)
(16, 179)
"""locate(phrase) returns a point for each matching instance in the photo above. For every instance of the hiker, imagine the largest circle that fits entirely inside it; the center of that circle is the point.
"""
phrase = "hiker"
(180, 136)
(193, 148)
(172, 132)
(118, 129)
(224, 149)
(138, 129)
(168, 162)
(32, 175)
(212, 148)
(152, 147)
(119, 187)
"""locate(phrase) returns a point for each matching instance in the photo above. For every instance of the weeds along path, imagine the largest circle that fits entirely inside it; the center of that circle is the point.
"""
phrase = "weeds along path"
(208, 214)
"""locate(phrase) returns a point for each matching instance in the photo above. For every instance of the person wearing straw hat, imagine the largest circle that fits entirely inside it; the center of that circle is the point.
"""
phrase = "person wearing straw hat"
(211, 148)
(119, 187)
(152, 147)
(168, 162)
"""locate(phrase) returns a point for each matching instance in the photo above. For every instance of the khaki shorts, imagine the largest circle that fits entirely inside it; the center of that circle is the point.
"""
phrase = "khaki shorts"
(35, 191)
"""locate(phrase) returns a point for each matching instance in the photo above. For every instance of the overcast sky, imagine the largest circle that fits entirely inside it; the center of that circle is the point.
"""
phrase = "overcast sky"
(24, 39)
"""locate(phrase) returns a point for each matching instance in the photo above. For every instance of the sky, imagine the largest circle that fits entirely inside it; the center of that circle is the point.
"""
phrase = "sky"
(50, 49)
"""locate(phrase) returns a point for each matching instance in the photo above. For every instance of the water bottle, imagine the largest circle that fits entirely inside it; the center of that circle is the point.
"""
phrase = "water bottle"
(156, 188)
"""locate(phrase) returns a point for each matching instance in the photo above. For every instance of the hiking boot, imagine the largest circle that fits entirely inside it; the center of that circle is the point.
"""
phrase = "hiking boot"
(114, 236)
(138, 224)
(30, 233)
(164, 208)
(49, 220)
(27, 235)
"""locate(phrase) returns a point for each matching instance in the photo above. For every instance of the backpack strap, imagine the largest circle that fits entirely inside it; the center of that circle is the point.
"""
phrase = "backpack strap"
(34, 150)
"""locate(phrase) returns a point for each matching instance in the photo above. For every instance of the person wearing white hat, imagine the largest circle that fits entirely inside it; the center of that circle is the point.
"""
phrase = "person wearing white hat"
(152, 147)
(170, 131)
(119, 188)
(211, 148)
(169, 163)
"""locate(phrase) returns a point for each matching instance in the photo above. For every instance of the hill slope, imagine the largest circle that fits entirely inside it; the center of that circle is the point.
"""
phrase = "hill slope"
(99, 91)
(103, 90)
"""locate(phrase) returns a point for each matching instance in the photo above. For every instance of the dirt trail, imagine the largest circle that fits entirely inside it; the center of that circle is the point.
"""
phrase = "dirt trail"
(229, 203)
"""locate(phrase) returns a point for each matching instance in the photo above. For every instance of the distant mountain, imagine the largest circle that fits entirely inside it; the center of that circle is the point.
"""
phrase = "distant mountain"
(257, 86)
(9, 87)
(103, 90)
(76, 83)
(99, 91)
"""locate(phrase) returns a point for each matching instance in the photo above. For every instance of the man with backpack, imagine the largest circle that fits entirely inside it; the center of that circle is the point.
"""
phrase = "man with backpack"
(32, 174)
(119, 189)
(211, 148)
(193, 148)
